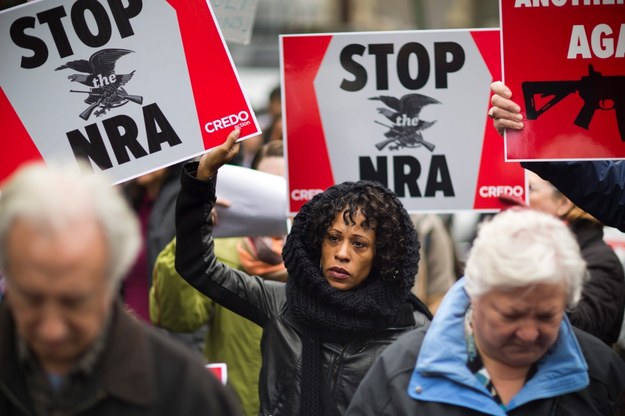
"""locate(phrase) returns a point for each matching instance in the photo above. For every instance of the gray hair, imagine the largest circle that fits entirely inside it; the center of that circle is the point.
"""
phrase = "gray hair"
(519, 248)
(54, 196)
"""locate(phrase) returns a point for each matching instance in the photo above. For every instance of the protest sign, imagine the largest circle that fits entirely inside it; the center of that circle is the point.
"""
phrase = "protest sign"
(257, 203)
(236, 18)
(407, 109)
(130, 85)
(219, 370)
(565, 64)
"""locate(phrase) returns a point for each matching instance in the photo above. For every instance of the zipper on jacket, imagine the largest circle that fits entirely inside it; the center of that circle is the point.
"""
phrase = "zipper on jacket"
(337, 363)
(335, 367)
(365, 345)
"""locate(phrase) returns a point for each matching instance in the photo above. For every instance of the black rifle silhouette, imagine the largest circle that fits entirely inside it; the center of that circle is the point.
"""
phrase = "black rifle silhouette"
(87, 113)
(404, 137)
(599, 92)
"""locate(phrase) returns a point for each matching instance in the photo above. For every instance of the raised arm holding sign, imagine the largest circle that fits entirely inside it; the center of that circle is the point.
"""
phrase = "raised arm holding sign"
(351, 258)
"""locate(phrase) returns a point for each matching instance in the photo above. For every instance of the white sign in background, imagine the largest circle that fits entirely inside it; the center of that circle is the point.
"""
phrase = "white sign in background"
(257, 203)
(235, 18)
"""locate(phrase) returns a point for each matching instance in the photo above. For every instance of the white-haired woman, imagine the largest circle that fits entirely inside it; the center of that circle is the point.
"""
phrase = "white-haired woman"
(500, 343)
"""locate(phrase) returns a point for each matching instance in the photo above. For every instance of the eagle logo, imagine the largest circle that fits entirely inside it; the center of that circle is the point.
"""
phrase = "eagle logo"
(406, 129)
(105, 86)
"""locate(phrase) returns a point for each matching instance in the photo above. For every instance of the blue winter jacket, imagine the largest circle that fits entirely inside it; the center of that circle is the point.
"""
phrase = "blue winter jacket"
(424, 372)
(441, 374)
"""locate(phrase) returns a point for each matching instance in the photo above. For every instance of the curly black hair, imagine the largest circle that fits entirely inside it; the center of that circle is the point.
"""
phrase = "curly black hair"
(383, 213)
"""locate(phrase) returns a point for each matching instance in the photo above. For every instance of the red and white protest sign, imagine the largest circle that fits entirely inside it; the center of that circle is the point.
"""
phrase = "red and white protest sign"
(407, 109)
(219, 370)
(565, 64)
(130, 85)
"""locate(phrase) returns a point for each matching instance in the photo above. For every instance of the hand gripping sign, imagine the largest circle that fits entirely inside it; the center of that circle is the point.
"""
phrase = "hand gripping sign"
(129, 85)
(407, 109)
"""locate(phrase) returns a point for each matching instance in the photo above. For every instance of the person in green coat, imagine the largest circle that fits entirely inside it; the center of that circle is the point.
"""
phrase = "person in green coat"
(176, 306)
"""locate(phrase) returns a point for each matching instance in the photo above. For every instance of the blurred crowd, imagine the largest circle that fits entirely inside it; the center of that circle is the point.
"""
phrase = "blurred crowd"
(273, 308)
(115, 302)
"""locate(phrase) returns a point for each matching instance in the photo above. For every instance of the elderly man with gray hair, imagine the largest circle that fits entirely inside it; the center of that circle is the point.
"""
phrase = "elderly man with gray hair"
(66, 344)
(500, 342)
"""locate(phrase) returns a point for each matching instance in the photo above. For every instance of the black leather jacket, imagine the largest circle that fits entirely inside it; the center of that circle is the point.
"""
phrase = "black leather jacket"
(264, 303)
(600, 310)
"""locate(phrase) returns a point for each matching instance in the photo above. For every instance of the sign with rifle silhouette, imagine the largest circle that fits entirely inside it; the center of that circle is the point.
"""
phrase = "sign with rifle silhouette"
(407, 109)
(565, 64)
(129, 85)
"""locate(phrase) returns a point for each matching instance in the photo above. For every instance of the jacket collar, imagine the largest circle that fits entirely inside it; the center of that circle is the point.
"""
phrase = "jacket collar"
(441, 374)
(127, 367)
(124, 370)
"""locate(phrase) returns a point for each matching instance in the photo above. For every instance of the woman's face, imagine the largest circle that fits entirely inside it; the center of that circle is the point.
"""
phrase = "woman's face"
(517, 326)
(347, 253)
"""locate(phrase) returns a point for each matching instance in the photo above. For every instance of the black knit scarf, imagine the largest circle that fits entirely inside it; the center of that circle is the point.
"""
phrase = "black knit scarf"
(328, 313)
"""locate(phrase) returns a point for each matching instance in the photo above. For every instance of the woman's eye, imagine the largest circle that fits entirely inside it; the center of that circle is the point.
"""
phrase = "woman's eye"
(359, 244)
(546, 317)
(332, 238)
(511, 317)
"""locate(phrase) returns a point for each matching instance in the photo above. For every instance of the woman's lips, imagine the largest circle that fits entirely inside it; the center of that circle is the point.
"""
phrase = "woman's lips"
(338, 273)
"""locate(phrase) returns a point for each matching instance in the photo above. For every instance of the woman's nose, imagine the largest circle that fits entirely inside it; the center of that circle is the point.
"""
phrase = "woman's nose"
(342, 251)
(528, 331)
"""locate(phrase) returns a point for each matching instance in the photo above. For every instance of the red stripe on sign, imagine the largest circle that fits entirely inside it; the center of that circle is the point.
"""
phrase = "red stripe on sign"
(493, 164)
(216, 89)
(309, 163)
(17, 146)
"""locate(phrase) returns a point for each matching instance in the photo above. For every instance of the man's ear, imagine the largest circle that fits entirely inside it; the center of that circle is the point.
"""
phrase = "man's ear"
(564, 206)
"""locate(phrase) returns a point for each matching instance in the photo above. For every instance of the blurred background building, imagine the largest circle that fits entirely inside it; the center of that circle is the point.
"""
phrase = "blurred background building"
(258, 63)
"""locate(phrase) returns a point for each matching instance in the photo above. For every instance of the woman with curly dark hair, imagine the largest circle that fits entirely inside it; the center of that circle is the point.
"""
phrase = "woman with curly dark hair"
(351, 258)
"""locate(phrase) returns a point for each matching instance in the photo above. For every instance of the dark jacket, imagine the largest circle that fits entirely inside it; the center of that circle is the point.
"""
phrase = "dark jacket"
(580, 375)
(600, 309)
(343, 364)
(597, 187)
(140, 372)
